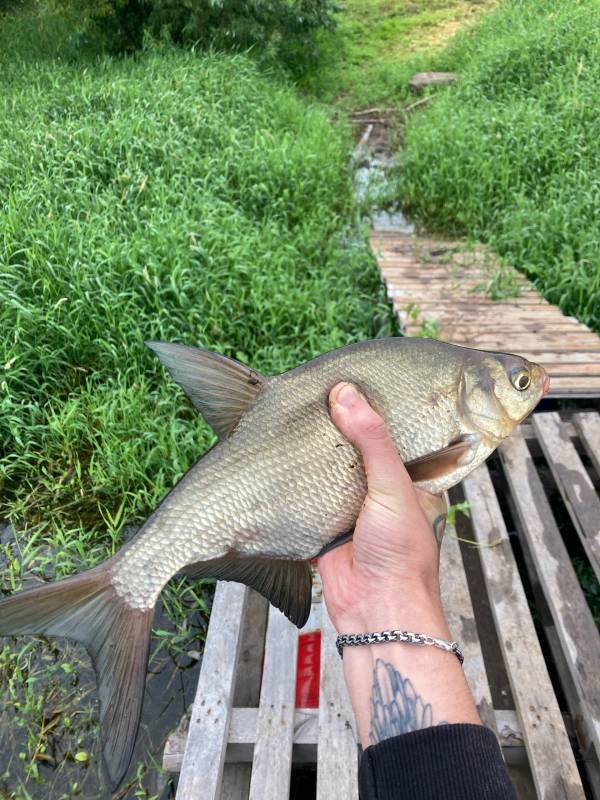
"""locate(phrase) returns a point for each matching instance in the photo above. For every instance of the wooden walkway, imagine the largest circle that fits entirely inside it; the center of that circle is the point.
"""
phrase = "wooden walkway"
(537, 685)
(535, 679)
(436, 287)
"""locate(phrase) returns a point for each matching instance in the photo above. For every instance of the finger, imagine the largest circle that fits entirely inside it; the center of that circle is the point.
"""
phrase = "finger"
(363, 426)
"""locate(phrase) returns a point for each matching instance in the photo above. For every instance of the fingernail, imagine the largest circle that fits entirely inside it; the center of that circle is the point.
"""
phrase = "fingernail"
(347, 396)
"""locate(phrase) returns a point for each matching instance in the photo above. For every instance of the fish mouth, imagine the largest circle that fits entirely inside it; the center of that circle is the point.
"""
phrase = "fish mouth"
(541, 377)
(546, 383)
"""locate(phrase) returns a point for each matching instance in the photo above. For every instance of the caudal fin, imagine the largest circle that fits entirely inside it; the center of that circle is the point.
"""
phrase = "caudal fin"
(86, 608)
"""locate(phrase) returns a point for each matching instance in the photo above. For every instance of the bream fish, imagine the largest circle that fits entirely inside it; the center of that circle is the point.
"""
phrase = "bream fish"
(280, 486)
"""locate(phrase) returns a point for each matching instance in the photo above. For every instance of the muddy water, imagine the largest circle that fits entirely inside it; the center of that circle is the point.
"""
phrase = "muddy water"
(372, 185)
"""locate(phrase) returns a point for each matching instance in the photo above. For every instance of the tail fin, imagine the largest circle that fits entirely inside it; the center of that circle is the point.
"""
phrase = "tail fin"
(86, 608)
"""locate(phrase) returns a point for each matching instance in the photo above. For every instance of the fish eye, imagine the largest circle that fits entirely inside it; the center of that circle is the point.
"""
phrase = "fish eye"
(521, 379)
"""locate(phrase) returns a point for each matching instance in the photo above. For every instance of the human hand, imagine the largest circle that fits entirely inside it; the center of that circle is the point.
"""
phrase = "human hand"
(387, 578)
(391, 566)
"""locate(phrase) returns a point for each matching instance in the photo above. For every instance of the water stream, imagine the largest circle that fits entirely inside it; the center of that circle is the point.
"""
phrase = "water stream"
(373, 185)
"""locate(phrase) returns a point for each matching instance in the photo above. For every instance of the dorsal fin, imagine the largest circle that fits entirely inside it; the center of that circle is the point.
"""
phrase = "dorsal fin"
(220, 387)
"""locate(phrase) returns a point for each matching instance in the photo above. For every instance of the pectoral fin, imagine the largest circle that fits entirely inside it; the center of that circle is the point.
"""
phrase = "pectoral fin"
(286, 584)
(441, 462)
(435, 507)
(220, 388)
(342, 538)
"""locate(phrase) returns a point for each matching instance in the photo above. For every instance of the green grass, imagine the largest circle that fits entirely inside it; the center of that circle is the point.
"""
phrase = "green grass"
(172, 196)
(379, 44)
(511, 153)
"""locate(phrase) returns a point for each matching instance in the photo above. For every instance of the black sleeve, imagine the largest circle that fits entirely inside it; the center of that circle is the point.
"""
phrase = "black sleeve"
(462, 762)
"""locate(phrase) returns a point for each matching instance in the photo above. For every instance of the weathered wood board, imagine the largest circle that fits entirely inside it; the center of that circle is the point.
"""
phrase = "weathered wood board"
(549, 751)
(245, 748)
(211, 714)
(435, 282)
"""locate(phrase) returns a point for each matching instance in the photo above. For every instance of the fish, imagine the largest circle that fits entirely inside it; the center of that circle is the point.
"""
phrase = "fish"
(281, 485)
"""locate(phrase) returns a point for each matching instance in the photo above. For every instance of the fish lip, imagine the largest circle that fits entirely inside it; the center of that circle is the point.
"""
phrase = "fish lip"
(546, 384)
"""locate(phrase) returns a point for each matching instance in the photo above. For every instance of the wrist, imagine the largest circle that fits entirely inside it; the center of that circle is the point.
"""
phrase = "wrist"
(418, 610)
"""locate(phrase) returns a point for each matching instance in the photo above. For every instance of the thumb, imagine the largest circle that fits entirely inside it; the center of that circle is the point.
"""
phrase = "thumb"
(361, 425)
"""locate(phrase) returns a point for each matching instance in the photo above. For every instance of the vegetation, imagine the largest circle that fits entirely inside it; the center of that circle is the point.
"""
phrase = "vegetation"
(173, 196)
(188, 196)
(280, 28)
(378, 44)
(510, 154)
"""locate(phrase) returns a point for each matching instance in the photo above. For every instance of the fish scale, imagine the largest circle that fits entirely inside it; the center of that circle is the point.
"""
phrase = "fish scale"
(281, 485)
(286, 482)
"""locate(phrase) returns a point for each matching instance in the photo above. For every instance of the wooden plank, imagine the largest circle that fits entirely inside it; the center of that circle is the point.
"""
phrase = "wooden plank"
(489, 326)
(510, 311)
(394, 241)
(508, 314)
(573, 357)
(481, 332)
(250, 662)
(461, 621)
(575, 628)
(242, 735)
(403, 297)
(474, 302)
(526, 429)
(236, 780)
(413, 306)
(236, 777)
(521, 345)
(466, 288)
(550, 756)
(585, 383)
(573, 482)
(211, 712)
(404, 268)
(587, 425)
(571, 370)
(272, 763)
(412, 314)
(473, 281)
(485, 325)
(337, 756)
(560, 341)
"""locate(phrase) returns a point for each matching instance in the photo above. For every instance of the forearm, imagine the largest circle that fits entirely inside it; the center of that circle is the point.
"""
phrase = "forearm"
(397, 687)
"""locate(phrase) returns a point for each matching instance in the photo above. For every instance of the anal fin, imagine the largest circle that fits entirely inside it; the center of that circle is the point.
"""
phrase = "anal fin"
(286, 584)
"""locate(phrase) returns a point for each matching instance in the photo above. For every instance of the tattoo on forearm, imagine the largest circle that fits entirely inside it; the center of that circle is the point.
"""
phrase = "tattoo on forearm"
(395, 706)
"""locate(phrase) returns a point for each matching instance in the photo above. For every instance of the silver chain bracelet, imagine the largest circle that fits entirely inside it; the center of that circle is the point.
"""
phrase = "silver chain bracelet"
(397, 636)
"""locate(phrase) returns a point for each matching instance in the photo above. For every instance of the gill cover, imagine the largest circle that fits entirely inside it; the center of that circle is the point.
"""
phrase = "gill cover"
(478, 404)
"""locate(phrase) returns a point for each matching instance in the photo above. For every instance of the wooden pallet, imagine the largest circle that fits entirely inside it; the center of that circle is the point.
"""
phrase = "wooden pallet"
(244, 733)
(434, 282)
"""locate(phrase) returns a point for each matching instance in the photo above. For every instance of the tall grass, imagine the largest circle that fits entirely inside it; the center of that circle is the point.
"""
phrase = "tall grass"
(511, 153)
(173, 196)
(379, 44)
